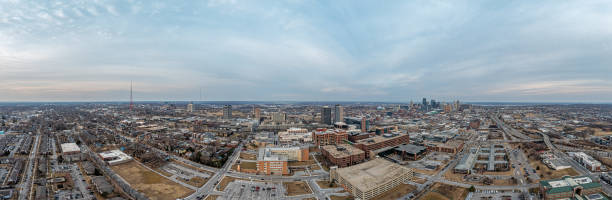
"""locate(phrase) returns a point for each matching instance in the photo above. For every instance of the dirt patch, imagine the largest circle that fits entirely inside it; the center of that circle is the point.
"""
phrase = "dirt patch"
(212, 197)
(310, 161)
(396, 192)
(297, 188)
(424, 171)
(327, 184)
(197, 181)
(341, 197)
(149, 183)
(548, 173)
(190, 166)
(445, 192)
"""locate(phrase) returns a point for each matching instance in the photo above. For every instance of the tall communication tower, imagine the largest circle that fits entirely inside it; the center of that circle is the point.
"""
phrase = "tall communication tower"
(131, 97)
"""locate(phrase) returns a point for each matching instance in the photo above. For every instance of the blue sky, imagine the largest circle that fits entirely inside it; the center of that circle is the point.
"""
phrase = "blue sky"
(553, 51)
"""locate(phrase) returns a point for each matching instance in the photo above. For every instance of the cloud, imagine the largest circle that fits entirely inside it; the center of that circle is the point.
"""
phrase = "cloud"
(301, 50)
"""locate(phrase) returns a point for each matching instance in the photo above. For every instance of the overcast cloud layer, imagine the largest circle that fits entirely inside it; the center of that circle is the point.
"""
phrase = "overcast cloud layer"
(552, 51)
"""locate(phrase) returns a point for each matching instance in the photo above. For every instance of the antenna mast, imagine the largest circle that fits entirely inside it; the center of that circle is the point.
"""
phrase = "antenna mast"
(131, 97)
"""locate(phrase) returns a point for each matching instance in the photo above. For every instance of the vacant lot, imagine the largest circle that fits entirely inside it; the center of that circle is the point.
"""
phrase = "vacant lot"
(445, 192)
(327, 184)
(297, 188)
(190, 166)
(310, 161)
(197, 181)
(548, 173)
(212, 197)
(396, 192)
(341, 197)
(149, 183)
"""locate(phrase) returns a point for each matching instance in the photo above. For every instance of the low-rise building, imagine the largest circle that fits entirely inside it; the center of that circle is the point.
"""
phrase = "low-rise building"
(343, 155)
(451, 147)
(115, 157)
(370, 179)
(586, 160)
(323, 137)
(577, 187)
(71, 152)
(274, 160)
(295, 135)
(102, 186)
(382, 142)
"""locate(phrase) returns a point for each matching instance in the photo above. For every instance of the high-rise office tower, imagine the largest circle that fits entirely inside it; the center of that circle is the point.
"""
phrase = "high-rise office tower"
(363, 125)
(190, 107)
(257, 113)
(227, 112)
(338, 113)
(279, 117)
(424, 104)
(326, 117)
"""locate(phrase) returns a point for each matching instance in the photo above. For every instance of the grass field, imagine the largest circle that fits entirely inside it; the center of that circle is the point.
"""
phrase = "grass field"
(396, 192)
(341, 197)
(445, 192)
(326, 184)
(149, 183)
(212, 197)
(548, 173)
(297, 188)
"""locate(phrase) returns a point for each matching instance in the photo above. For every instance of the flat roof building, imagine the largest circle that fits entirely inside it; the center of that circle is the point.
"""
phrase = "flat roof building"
(381, 142)
(577, 187)
(115, 157)
(343, 155)
(323, 136)
(274, 160)
(70, 148)
(370, 179)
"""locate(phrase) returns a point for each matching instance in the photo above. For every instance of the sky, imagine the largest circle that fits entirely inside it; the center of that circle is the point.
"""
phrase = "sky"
(299, 50)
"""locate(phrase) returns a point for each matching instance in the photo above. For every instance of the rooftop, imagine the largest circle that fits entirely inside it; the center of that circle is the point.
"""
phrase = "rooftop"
(70, 147)
(342, 150)
(369, 175)
(410, 148)
(116, 155)
(567, 183)
(378, 138)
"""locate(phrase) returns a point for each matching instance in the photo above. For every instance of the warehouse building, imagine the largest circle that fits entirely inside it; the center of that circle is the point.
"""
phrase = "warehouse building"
(370, 179)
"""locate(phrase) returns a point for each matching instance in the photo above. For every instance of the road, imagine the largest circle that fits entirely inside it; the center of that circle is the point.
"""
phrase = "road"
(26, 185)
(205, 190)
(79, 181)
(577, 166)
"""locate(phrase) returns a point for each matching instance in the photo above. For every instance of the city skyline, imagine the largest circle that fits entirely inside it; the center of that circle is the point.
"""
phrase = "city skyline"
(472, 51)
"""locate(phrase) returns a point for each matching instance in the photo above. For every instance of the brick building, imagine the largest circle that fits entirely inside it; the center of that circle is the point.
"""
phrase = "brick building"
(323, 137)
(383, 141)
(343, 155)
(451, 147)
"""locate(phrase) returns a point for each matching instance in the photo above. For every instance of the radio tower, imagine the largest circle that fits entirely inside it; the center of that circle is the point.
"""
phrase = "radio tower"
(131, 99)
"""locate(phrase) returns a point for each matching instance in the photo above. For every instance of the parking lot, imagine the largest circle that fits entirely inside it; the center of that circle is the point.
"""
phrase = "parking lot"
(253, 190)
